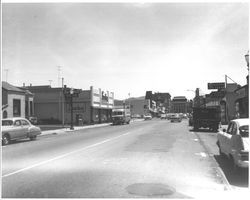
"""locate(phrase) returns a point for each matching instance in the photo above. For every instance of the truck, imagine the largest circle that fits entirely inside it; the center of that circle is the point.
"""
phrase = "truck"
(121, 115)
(207, 117)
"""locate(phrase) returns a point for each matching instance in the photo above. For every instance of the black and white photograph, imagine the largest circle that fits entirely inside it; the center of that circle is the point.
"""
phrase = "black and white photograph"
(125, 99)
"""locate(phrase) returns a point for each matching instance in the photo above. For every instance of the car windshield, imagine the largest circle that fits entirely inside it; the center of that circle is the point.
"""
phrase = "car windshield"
(244, 130)
(7, 122)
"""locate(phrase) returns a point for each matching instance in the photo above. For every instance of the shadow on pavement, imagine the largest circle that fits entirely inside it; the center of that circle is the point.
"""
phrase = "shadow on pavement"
(239, 178)
(202, 130)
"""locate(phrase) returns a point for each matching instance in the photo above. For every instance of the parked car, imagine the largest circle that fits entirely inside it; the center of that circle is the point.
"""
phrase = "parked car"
(175, 118)
(234, 143)
(18, 128)
(147, 117)
(163, 116)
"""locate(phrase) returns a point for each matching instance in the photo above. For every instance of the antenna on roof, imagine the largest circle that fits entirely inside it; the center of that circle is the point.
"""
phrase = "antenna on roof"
(50, 81)
(6, 70)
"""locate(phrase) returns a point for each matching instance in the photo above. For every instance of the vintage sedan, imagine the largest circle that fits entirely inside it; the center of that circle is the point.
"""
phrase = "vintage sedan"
(234, 143)
(18, 128)
(175, 118)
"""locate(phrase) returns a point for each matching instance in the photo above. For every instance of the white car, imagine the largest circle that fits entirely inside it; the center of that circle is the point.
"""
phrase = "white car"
(147, 117)
(234, 143)
(18, 128)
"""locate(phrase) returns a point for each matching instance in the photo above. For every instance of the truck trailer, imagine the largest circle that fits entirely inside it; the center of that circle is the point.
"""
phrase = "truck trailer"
(208, 117)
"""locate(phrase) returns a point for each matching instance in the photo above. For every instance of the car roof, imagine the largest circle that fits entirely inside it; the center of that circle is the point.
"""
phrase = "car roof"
(14, 118)
(241, 122)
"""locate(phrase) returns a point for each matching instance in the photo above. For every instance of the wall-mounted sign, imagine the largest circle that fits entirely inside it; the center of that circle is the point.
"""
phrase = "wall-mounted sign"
(219, 94)
(101, 99)
(220, 85)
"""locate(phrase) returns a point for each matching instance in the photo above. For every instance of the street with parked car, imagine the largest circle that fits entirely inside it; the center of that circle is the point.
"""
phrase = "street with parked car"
(143, 159)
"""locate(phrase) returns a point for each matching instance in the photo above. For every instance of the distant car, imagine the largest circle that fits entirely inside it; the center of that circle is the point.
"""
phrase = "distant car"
(163, 116)
(175, 118)
(147, 117)
(18, 128)
(234, 143)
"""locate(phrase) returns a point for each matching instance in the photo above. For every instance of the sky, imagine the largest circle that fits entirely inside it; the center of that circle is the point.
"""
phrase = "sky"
(126, 48)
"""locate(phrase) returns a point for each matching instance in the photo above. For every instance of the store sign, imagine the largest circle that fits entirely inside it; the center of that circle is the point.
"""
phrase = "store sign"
(101, 99)
(220, 85)
(104, 97)
(220, 94)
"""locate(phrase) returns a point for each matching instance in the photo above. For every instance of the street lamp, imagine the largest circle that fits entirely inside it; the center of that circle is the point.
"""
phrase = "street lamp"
(71, 105)
(247, 60)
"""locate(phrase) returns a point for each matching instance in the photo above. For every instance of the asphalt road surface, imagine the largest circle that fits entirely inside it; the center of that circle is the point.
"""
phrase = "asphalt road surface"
(153, 158)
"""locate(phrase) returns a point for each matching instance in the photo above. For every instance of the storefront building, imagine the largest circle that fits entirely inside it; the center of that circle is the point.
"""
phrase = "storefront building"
(16, 102)
(53, 105)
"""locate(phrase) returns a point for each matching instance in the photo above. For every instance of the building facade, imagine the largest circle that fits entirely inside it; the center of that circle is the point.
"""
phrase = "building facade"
(16, 102)
(53, 105)
(179, 104)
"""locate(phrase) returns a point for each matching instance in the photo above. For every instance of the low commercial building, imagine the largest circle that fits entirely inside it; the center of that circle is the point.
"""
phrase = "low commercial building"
(16, 102)
(53, 105)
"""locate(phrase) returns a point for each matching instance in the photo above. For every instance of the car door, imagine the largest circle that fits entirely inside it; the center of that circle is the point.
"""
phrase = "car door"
(236, 142)
(228, 138)
(25, 126)
(18, 131)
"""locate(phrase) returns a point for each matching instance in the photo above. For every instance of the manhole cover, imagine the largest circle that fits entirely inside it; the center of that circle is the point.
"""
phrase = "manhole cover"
(150, 189)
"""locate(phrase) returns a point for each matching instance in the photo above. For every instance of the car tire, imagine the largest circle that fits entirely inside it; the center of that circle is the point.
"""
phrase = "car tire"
(220, 152)
(33, 138)
(235, 168)
(6, 139)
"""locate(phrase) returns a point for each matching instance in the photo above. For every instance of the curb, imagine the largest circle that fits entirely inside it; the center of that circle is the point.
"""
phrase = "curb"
(220, 172)
(76, 128)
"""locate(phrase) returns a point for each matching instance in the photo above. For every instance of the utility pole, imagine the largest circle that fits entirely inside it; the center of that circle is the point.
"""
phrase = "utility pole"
(71, 105)
(50, 81)
(226, 111)
(62, 102)
(59, 75)
(6, 70)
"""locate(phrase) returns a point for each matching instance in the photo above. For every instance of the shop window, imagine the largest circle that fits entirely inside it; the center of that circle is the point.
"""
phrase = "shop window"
(26, 108)
(16, 107)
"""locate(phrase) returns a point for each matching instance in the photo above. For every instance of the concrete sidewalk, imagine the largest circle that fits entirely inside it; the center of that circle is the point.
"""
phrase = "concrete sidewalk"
(76, 128)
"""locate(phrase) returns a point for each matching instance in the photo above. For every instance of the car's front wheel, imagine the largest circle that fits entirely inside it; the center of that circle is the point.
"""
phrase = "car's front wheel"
(220, 151)
(33, 137)
(5, 139)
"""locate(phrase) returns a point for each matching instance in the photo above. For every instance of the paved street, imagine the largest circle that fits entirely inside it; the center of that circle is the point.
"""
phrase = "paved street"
(153, 158)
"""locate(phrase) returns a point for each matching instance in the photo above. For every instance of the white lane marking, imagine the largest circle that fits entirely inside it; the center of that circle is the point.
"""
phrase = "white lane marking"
(64, 155)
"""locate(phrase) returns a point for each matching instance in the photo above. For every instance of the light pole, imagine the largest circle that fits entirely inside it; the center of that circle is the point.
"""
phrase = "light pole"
(71, 106)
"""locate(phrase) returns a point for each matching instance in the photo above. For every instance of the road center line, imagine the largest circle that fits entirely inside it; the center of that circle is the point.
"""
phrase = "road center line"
(64, 155)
